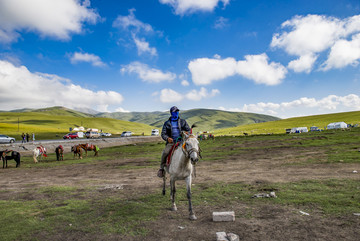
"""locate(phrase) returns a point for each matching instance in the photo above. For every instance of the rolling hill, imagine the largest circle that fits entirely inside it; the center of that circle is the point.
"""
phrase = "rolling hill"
(279, 126)
(49, 122)
(205, 119)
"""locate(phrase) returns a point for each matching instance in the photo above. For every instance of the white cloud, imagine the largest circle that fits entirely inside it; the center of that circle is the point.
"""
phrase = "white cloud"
(201, 94)
(135, 27)
(307, 36)
(170, 96)
(143, 47)
(120, 109)
(148, 74)
(303, 64)
(86, 57)
(20, 88)
(255, 67)
(131, 23)
(303, 106)
(182, 7)
(343, 53)
(185, 83)
(57, 18)
(221, 22)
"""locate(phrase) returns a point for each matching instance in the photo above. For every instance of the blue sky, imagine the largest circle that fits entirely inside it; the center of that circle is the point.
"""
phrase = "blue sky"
(283, 58)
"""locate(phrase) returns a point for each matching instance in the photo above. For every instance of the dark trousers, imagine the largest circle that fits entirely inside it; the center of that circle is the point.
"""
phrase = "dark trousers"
(165, 153)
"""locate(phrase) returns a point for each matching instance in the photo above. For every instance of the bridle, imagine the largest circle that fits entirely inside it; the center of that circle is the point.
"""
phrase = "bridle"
(192, 150)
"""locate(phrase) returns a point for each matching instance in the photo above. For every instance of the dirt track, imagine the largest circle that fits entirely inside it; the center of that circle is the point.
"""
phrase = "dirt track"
(267, 222)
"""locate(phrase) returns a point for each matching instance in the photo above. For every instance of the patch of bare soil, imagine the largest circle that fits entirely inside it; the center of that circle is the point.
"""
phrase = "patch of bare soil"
(264, 222)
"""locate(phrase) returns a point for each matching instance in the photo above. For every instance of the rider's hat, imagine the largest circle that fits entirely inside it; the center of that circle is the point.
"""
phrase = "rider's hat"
(174, 109)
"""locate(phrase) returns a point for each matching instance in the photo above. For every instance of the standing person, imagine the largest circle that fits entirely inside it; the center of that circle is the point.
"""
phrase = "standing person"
(27, 137)
(33, 135)
(23, 138)
(171, 133)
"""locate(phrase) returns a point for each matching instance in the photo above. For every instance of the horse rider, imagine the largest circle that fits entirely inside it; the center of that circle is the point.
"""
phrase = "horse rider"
(171, 133)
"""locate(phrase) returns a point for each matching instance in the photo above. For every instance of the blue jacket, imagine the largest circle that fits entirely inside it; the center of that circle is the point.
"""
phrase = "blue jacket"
(166, 130)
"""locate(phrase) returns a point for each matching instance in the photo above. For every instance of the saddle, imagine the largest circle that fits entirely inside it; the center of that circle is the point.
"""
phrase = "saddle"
(173, 148)
(42, 150)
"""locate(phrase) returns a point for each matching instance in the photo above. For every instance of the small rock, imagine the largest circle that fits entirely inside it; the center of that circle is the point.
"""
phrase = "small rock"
(356, 214)
(233, 237)
(70, 224)
(221, 236)
(260, 195)
(224, 216)
(181, 227)
(355, 171)
(272, 194)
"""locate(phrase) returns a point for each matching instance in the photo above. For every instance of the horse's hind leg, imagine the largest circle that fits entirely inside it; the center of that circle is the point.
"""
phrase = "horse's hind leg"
(188, 188)
(172, 194)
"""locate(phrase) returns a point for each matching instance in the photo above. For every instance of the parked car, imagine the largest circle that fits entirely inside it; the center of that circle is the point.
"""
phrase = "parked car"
(126, 133)
(155, 132)
(6, 139)
(71, 136)
(92, 134)
(105, 134)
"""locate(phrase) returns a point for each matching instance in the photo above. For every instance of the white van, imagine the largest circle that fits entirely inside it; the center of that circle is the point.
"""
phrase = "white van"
(155, 132)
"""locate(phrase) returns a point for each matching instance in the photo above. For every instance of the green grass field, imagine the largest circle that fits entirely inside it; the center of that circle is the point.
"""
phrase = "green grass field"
(53, 123)
(280, 126)
(59, 210)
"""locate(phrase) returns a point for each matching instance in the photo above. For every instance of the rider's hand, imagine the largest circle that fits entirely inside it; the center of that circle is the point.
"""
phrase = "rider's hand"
(170, 140)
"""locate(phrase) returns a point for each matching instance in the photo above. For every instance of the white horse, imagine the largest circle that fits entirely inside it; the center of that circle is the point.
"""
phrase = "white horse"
(40, 150)
(181, 168)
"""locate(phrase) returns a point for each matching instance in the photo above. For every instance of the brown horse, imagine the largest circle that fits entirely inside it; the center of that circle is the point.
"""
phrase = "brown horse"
(89, 147)
(77, 150)
(59, 153)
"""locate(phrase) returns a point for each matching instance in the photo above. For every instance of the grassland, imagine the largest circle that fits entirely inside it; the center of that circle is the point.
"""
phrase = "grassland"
(52, 123)
(59, 212)
(279, 126)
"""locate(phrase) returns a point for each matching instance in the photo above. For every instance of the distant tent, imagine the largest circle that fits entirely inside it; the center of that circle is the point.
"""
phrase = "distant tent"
(299, 129)
(337, 125)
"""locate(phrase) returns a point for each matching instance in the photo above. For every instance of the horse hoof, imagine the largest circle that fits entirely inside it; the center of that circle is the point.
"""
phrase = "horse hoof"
(174, 208)
(192, 217)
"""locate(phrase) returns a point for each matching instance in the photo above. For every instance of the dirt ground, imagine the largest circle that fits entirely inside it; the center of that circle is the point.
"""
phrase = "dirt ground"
(267, 222)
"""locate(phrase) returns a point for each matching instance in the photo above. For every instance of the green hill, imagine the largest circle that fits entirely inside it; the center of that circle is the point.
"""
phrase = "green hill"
(49, 122)
(280, 126)
(206, 119)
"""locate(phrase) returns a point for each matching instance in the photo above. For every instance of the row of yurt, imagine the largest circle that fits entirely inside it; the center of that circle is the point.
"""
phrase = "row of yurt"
(336, 125)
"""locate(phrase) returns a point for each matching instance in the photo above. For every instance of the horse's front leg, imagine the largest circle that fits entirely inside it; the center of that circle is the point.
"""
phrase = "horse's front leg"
(172, 194)
(188, 188)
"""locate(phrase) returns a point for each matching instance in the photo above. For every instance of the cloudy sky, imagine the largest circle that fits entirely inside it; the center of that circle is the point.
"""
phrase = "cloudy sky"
(283, 58)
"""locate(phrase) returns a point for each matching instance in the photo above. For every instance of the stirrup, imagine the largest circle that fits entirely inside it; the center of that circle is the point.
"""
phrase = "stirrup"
(160, 173)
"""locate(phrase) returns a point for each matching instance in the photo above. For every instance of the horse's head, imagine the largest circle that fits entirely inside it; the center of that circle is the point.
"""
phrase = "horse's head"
(191, 147)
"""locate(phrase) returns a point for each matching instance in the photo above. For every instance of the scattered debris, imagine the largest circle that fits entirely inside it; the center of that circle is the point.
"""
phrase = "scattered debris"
(304, 213)
(112, 186)
(222, 236)
(224, 216)
(266, 195)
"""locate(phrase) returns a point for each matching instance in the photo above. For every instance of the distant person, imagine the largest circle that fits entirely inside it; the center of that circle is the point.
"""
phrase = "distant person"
(27, 137)
(23, 138)
(171, 133)
(33, 137)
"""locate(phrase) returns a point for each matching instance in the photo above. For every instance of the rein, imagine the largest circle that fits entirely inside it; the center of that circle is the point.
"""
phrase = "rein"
(188, 153)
